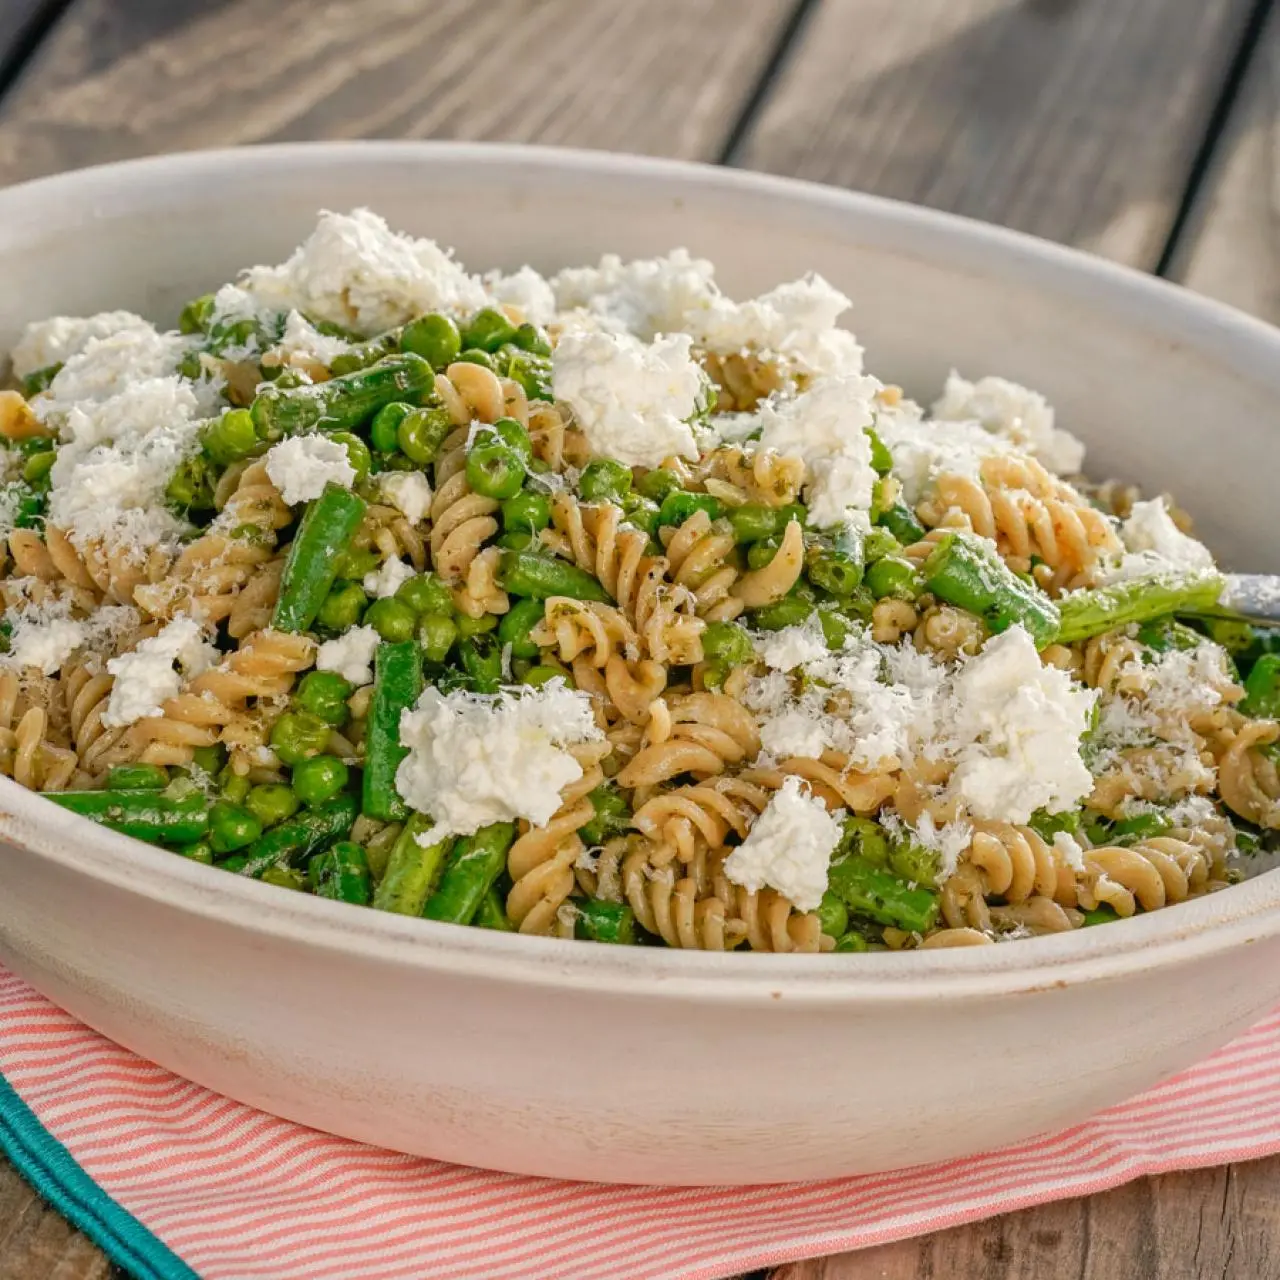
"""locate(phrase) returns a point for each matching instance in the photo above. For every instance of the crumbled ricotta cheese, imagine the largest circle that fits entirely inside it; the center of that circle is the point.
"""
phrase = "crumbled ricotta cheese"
(1156, 545)
(645, 297)
(526, 290)
(788, 848)
(481, 758)
(353, 270)
(792, 646)
(301, 338)
(46, 635)
(1068, 848)
(1016, 732)
(147, 677)
(350, 655)
(924, 449)
(45, 645)
(826, 427)
(301, 466)
(633, 401)
(408, 492)
(388, 578)
(1015, 413)
(54, 341)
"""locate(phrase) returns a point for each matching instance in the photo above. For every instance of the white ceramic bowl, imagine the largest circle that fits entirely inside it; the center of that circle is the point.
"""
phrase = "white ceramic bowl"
(605, 1063)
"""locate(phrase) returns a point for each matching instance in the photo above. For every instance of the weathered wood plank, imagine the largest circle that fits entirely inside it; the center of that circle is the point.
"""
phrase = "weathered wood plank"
(118, 79)
(1073, 119)
(36, 1243)
(1231, 249)
(1221, 1223)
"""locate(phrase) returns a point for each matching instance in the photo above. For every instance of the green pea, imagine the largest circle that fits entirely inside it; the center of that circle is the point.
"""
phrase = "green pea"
(209, 759)
(319, 779)
(678, 507)
(529, 337)
(343, 607)
(231, 437)
(325, 694)
(197, 315)
(656, 484)
(495, 470)
(851, 941)
(604, 480)
(235, 786)
(514, 436)
(880, 543)
(833, 915)
(357, 452)
(231, 827)
(543, 673)
(753, 521)
(272, 803)
(355, 562)
(137, 777)
(298, 735)
(469, 627)
(284, 878)
(518, 622)
(421, 432)
(893, 579)
(437, 633)
(836, 628)
(761, 553)
(386, 423)
(392, 619)
(727, 642)
(425, 593)
(201, 851)
(434, 337)
(38, 466)
(642, 512)
(520, 540)
(526, 512)
(474, 355)
(790, 611)
(488, 329)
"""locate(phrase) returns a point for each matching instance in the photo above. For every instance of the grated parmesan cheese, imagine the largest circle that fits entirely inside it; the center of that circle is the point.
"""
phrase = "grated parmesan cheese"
(525, 290)
(56, 340)
(153, 672)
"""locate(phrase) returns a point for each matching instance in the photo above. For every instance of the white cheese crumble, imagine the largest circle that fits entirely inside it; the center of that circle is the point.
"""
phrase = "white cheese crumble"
(109, 365)
(46, 646)
(1068, 848)
(1016, 731)
(301, 466)
(481, 758)
(147, 677)
(353, 270)
(350, 655)
(56, 340)
(46, 635)
(949, 842)
(1155, 545)
(408, 492)
(388, 578)
(792, 646)
(788, 848)
(924, 449)
(1014, 413)
(301, 338)
(632, 400)
(826, 427)
(647, 296)
(525, 290)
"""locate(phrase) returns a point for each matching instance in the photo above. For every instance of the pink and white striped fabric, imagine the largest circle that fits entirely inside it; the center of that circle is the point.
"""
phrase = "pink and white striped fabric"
(240, 1195)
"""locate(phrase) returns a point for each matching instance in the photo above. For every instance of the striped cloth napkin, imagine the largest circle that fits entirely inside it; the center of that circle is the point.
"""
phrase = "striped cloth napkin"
(176, 1182)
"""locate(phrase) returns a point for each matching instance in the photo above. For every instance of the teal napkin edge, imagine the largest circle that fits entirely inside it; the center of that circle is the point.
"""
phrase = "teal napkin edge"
(51, 1169)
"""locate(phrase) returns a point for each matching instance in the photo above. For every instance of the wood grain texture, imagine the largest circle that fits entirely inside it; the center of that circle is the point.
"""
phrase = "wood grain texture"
(36, 1243)
(1232, 246)
(119, 79)
(1073, 119)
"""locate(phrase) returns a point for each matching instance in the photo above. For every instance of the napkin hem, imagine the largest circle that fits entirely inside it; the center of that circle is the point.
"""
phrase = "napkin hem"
(52, 1170)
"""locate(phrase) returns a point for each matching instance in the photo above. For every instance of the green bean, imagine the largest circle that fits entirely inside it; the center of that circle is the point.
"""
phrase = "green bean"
(878, 543)
(836, 568)
(487, 330)
(1103, 914)
(1262, 688)
(677, 507)
(833, 915)
(881, 458)
(604, 480)
(544, 673)
(657, 484)
(145, 815)
(612, 815)
(201, 851)
(298, 735)
(1142, 826)
(434, 337)
(963, 572)
(437, 634)
(641, 512)
(612, 922)
(894, 579)
(311, 566)
(516, 624)
(397, 683)
(852, 941)
(421, 432)
(901, 521)
(866, 838)
(234, 786)
(836, 628)
(761, 553)
(867, 891)
(284, 878)
(1167, 634)
(1092, 612)
(472, 867)
(137, 777)
(525, 573)
(412, 869)
(319, 779)
(481, 659)
(527, 511)
(914, 863)
(468, 626)
(494, 469)
(364, 354)
(342, 403)
(324, 694)
(309, 833)
(231, 437)
(341, 873)
(191, 485)
(492, 913)
(209, 759)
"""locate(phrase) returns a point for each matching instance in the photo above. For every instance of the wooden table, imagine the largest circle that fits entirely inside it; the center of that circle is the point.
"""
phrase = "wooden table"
(1144, 130)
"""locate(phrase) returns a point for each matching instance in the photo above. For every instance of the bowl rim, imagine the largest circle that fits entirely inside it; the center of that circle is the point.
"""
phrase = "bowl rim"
(1186, 934)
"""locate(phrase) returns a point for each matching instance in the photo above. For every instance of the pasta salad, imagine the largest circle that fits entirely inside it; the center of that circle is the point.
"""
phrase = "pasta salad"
(604, 606)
